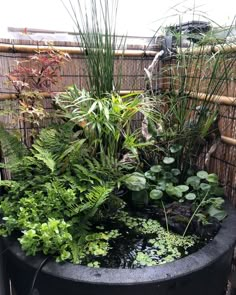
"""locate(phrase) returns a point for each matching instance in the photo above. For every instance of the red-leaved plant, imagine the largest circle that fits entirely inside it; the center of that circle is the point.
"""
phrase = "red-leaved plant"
(32, 76)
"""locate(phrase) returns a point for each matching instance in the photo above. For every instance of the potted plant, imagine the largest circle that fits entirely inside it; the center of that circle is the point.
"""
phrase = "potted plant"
(96, 206)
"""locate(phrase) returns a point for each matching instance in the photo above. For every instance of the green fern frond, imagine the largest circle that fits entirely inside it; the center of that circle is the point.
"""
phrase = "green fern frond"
(55, 138)
(94, 199)
(74, 146)
(7, 183)
(44, 156)
(87, 175)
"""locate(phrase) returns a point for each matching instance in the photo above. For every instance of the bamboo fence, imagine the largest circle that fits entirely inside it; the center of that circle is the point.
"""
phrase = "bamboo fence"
(223, 160)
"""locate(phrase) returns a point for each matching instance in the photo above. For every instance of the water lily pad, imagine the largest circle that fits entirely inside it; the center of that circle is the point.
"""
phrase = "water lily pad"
(174, 191)
(219, 214)
(175, 148)
(167, 175)
(156, 194)
(175, 171)
(202, 174)
(135, 181)
(168, 160)
(194, 181)
(205, 186)
(161, 185)
(156, 168)
(150, 175)
(190, 196)
(213, 178)
(183, 188)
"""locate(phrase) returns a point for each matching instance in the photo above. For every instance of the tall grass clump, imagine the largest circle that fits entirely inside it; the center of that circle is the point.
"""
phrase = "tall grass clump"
(96, 25)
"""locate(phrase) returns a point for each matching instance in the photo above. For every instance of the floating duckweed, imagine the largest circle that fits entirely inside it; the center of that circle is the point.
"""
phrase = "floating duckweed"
(163, 247)
(95, 264)
(144, 259)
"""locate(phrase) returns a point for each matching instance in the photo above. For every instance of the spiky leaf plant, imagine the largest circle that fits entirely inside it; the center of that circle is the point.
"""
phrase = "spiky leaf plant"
(95, 22)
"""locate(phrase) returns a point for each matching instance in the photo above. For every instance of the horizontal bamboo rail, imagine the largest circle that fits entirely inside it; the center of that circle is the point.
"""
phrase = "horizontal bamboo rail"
(223, 100)
(228, 140)
(227, 48)
(18, 48)
(9, 96)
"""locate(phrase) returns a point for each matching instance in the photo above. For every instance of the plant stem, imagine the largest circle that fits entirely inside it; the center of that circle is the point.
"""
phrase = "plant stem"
(166, 217)
(194, 213)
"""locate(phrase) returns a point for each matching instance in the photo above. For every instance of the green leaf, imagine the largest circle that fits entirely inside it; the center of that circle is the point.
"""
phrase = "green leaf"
(46, 157)
(156, 168)
(175, 171)
(168, 160)
(174, 191)
(202, 174)
(135, 181)
(205, 186)
(183, 188)
(156, 194)
(149, 175)
(106, 113)
(168, 175)
(161, 185)
(219, 214)
(190, 196)
(218, 191)
(175, 148)
(213, 178)
(194, 181)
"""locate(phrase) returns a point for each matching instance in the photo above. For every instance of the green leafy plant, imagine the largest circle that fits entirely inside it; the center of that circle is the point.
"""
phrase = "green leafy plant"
(161, 184)
(106, 124)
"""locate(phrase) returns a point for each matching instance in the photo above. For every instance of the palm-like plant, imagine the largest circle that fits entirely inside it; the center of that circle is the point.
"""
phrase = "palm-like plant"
(106, 122)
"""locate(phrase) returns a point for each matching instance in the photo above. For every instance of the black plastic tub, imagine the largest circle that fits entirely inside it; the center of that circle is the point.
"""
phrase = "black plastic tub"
(204, 272)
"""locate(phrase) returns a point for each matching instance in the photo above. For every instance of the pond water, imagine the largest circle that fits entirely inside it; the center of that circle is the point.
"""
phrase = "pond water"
(144, 241)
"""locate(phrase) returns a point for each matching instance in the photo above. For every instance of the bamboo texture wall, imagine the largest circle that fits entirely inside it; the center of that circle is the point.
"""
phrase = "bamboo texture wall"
(223, 160)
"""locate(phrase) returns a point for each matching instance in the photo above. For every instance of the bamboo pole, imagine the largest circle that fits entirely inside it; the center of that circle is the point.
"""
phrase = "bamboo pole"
(12, 96)
(204, 49)
(228, 140)
(227, 48)
(19, 48)
(223, 100)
